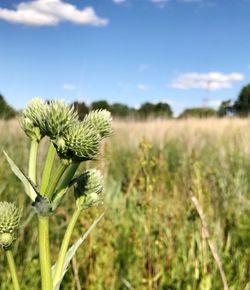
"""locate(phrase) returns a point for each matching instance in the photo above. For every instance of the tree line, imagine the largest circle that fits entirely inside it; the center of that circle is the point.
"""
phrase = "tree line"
(241, 107)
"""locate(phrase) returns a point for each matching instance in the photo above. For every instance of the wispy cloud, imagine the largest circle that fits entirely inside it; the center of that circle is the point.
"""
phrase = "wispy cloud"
(119, 1)
(143, 67)
(215, 103)
(192, 1)
(51, 13)
(143, 87)
(69, 87)
(209, 81)
(160, 3)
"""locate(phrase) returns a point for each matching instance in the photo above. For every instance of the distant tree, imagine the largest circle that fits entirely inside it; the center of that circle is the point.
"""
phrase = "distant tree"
(155, 110)
(225, 108)
(242, 104)
(120, 110)
(6, 111)
(81, 108)
(198, 113)
(163, 109)
(100, 105)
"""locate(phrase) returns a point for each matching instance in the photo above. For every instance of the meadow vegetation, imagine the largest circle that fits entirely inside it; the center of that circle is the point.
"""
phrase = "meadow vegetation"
(151, 236)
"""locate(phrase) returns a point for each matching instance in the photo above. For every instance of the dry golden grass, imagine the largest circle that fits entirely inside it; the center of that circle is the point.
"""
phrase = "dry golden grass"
(150, 216)
(192, 131)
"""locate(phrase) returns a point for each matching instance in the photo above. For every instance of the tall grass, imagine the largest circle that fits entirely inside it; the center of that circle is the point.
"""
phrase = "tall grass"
(152, 236)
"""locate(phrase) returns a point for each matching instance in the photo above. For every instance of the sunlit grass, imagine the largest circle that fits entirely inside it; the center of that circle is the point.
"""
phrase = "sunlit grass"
(151, 237)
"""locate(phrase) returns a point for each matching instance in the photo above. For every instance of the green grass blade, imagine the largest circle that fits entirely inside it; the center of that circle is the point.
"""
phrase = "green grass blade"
(72, 250)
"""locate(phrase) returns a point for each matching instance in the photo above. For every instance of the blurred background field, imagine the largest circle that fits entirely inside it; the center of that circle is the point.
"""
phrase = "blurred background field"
(151, 235)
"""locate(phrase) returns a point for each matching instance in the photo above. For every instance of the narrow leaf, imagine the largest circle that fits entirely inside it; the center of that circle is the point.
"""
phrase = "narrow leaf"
(72, 250)
(25, 180)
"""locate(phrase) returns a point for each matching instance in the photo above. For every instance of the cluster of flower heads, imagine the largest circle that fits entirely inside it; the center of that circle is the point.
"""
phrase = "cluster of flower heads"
(9, 221)
(73, 139)
(87, 188)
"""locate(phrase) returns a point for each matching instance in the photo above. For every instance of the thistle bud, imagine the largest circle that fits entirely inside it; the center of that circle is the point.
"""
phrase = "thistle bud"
(59, 116)
(33, 117)
(80, 142)
(101, 120)
(88, 187)
(9, 221)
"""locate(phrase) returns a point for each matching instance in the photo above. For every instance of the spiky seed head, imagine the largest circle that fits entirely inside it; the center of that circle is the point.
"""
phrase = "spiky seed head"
(9, 221)
(101, 120)
(80, 142)
(88, 187)
(59, 116)
(33, 117)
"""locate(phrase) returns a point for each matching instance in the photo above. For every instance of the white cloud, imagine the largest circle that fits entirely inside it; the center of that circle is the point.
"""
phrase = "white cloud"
(143, 87)
(51, 12)
(215, 103)
(69, 87)
(160, 3)
(142, 67)
(192, 1)
(119, 1)
(209, 81)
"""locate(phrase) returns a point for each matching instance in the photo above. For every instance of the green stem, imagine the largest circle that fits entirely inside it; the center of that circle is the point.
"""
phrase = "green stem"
(12, 268)
(47, 168)
(68, 175)
(64, 246)
(45, 262)
(56, 178)
(32, 164)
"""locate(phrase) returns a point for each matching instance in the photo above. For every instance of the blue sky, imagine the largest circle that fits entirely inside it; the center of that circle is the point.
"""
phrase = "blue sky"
(129, 51)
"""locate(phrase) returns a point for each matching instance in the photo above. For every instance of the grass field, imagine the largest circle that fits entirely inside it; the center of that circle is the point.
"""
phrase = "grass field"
(151, 236)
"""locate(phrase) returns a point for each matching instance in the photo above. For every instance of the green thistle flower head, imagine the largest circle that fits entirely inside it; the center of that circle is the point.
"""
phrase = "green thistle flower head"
(80, 142)
(88, 187)
(32, 120)
(9, 221)
(59, 116)
(101, 120)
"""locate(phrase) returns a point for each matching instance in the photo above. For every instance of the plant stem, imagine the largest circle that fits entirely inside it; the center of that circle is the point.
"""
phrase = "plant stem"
(47, 168)
(64, 246)
(56, 178)
(32, 163)
(12, 268)
(43, 227)
(44, 253)
(68, 175)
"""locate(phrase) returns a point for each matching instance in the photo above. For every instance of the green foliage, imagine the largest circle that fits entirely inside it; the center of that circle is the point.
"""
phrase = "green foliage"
(198, 113)
(242, 104)
(6, 111)
(155, 110)
(225, 108)
(120, 110)
(100, 105)
(81, 109)
(123, 111)
(150, 236)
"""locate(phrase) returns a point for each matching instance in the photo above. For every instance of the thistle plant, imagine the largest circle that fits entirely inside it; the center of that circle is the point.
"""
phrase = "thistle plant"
(72, 142)
(9, 221)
